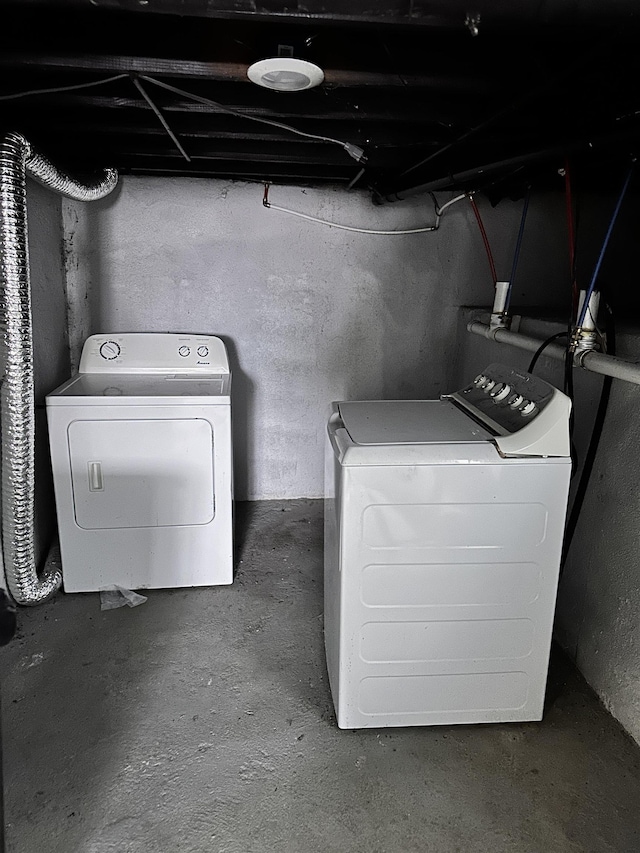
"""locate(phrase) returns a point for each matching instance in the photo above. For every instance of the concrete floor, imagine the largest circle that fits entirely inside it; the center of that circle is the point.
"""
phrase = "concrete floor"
(202, 721)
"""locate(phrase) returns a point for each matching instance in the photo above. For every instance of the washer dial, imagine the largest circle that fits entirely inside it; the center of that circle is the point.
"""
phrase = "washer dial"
(184, 351)
(516, 400)
(110, 350)
(528, 408)
(500, 392)
(203, 352)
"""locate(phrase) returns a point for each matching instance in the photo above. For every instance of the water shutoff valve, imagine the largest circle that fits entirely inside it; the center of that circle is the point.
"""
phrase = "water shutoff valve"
(586, 337)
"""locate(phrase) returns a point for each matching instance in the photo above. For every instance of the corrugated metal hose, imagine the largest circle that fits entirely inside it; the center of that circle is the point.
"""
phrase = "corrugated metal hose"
(17, 410)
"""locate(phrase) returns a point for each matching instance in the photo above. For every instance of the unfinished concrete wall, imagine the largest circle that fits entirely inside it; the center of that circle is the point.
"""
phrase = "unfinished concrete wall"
(598, 613)
(310, 314)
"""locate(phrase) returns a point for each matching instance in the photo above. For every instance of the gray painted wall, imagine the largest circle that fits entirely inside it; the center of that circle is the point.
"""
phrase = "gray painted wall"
(310, 314)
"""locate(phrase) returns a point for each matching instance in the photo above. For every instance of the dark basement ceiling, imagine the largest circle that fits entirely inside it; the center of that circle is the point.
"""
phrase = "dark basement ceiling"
(432, 105)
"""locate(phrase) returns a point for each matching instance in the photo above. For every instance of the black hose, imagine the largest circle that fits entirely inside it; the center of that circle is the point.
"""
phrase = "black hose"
(542, 348)
(592, 451)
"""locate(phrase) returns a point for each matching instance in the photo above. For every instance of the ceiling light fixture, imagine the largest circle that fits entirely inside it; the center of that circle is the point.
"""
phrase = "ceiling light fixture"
(285, 74)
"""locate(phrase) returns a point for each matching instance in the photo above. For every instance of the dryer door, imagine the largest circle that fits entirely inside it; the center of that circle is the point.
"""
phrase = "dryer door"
(141, 473)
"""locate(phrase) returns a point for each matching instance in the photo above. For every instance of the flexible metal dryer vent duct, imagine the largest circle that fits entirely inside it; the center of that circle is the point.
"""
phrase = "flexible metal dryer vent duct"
(17, 415)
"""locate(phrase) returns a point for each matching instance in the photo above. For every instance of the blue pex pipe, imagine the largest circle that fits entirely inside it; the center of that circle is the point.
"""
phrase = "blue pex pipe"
(594, 277)
(518, 245)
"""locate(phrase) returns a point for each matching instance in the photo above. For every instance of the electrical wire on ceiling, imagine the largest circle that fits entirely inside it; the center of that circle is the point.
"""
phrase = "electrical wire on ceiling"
(352, 150)
(382, 233)
(71, 88)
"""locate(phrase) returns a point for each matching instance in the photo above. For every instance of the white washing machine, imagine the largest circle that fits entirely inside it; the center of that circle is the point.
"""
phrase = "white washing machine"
(444, 523)
(142, 463)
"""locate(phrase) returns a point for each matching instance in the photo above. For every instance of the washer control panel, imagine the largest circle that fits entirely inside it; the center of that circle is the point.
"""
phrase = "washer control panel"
(523, 411)
(154, 353)
(507, 396)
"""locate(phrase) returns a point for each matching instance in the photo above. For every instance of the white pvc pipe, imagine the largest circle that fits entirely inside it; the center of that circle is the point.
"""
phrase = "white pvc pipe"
(609, 365)
(498, 316)
(595, 362)
(589, 322)
(500, 300)
(515, 339)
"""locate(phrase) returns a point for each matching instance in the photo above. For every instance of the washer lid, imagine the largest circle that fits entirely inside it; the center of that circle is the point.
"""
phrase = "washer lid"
(385, 422)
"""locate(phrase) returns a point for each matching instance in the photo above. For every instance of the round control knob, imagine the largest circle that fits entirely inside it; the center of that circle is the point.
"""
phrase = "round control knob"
(501, 392)
(516, 400)
(184, 351)
(109, 350)
(480, 379)
(203, 352)
(487, 385)
(528, 409)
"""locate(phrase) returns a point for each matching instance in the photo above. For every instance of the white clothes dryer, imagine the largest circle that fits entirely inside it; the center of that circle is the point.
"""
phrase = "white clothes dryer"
(444, 522)
(142, 463)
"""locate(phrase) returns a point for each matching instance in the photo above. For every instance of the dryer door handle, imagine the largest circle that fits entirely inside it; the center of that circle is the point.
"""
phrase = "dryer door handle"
(96, 483)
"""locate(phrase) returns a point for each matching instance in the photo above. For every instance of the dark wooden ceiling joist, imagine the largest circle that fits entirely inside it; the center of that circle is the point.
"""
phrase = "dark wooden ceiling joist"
(436, 14)
(67, 123)
(405, 81)
(274, 170)
(375, 119)
(231, 72)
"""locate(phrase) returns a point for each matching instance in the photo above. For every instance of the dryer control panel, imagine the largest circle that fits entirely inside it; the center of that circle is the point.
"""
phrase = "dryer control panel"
(528, 416)
(154, 353)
